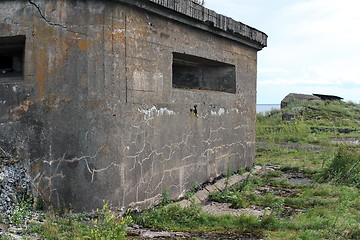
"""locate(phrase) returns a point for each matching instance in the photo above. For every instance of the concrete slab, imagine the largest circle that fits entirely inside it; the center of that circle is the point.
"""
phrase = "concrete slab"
(202, 195)
(211, 188)
(184, 203)
(236, 179)
(221, 184)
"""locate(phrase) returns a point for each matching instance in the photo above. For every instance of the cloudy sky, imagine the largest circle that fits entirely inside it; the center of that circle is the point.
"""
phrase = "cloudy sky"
(313, 45)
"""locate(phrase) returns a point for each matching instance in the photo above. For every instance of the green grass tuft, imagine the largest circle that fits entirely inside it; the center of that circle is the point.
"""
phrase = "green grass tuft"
(344, 168)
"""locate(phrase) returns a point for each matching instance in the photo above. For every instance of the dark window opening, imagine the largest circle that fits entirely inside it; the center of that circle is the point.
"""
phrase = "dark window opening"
(191, 72)
(12, 57)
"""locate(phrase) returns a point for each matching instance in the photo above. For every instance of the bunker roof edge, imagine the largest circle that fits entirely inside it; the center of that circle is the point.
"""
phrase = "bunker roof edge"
(186, 11)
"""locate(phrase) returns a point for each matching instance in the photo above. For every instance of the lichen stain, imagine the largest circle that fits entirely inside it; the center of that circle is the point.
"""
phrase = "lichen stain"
(95, 104)
(35, 169)
(140, 32)
(53, 102)
(20, 109)
(119, 35)
(82, 44)
(83, 80)
(106, 148)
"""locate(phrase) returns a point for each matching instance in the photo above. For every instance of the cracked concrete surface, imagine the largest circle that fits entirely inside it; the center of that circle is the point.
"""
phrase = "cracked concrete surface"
(95, 114)
(52, 23)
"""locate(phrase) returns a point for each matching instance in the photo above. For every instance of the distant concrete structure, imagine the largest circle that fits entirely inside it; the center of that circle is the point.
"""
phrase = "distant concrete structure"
(328, 97)
(297, 98)
(119, 100)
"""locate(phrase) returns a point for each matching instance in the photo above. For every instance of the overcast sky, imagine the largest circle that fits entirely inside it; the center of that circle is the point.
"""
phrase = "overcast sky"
(313, 45)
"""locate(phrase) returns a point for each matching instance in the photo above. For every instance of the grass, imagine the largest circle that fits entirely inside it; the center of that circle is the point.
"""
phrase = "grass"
(315, 122)
(345, 167)
(102, 225)
(315, 211)
(192, 218)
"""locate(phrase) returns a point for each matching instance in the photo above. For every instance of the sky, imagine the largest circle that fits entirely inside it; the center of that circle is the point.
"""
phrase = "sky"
(313, 45)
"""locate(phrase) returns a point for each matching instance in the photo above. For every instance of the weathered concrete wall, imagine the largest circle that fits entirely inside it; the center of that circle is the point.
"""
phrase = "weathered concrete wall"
(96, 115)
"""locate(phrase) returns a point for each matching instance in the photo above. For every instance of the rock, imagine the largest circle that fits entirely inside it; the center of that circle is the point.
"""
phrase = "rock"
(149, 234)
(4, 227)
(257, 167)
(201, 195)
(184, 203)
(15, 230)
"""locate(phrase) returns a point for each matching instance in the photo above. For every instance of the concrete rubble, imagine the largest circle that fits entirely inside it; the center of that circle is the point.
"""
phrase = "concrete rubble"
(15, 184)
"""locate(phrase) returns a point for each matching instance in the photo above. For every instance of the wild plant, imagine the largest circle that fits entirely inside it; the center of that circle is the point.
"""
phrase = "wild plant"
(344, 168)
(107, 226)
(20, 212)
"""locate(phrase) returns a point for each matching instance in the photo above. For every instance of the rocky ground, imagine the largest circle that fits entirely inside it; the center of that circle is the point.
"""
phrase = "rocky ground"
(15, 185)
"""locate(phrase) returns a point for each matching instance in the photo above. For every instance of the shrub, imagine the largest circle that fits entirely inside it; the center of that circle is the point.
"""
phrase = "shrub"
(109, 227)
(20, 213)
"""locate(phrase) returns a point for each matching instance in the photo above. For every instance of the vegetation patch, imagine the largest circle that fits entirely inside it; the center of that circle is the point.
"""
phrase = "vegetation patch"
(315, 122)
(344, 168)
(103, 225)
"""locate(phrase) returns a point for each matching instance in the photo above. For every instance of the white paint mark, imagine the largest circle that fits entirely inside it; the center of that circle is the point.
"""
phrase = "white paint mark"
(150, 113)
(219, 113)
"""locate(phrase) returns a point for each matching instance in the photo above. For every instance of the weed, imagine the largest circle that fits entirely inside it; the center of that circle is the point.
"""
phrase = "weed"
(192, 218)
(344, 168)
(109, 227)
(195, 188)
(70, 226)
(20, 213)
(165, 200)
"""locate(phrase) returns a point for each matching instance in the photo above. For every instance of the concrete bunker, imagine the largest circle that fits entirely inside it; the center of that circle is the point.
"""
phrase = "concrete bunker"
(97, 114)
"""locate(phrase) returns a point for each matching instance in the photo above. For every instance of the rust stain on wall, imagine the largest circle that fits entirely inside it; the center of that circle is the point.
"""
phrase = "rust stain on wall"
(22, 108)
(54, 103)
(82, 44)
(41, 72)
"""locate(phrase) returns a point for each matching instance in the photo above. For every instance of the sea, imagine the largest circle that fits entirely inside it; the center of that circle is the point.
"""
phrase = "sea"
(262, 108)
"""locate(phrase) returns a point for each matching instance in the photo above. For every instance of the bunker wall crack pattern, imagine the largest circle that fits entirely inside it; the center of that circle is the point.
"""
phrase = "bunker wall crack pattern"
(47, 180)
(158, 166)
(143, 156)
(54, 24)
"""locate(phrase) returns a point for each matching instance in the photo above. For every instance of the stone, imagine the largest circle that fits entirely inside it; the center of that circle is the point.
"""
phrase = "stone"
(184, 203)
(211, 188)
(151, 235)
(235, 179)
(201, 195)
(221, 184)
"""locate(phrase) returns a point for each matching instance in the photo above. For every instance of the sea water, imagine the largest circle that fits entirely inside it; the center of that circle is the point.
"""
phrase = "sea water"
(262, 108)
